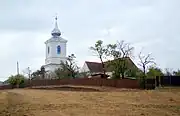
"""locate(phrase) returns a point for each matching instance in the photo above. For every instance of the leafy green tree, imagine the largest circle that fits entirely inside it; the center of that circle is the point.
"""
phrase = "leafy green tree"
(68, 69)
(63, 72)
(17, 80)
(154, 71)
(133, 72)
(11, 80)
(119, 52)
(100, 51)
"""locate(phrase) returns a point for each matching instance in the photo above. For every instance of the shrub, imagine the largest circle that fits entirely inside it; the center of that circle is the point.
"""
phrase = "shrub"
(17, 80)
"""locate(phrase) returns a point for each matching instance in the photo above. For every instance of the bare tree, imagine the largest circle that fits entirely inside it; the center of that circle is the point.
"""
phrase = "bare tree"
(144, 62)
(169, 71)
(100, 52)
(27, 71)
(120, 52)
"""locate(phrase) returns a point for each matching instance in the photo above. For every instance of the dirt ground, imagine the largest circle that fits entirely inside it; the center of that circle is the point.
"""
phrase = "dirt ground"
(33, 102)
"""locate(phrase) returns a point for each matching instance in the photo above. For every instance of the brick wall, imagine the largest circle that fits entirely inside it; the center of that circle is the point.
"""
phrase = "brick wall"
(2, 87)
(121, 83)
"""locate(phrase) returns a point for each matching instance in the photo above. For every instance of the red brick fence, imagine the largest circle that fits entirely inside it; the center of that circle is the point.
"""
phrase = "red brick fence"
(121, 83)
(2, 87)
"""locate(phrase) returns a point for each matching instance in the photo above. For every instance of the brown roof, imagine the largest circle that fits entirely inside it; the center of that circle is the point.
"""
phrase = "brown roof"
(94, 66)
(97, 67)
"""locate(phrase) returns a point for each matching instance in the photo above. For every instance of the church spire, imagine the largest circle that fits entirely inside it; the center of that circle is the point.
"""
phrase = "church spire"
(56, 32)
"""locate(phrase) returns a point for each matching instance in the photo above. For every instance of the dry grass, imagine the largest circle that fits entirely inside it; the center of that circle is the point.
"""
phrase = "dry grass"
(29, 102)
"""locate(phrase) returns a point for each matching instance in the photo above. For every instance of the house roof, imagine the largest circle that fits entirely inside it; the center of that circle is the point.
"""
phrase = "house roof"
(94, 66)
(97, 67)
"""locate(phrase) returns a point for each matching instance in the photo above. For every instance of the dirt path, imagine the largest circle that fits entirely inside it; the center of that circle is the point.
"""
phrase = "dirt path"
(22, 102)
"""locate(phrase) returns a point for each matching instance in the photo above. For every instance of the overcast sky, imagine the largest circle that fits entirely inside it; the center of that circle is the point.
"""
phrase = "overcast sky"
(26, 24)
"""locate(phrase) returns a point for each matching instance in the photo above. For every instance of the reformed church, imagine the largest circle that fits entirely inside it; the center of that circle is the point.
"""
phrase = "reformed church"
(56, 53)
(55, 50)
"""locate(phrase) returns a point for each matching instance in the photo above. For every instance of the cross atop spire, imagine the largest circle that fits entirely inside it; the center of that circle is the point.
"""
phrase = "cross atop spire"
(56, 32)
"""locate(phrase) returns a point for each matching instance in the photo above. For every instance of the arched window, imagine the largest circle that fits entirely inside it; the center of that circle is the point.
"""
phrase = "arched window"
(48, 49)
(58, 49)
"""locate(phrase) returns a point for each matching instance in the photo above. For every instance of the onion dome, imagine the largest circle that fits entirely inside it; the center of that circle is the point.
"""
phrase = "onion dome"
(56, 32)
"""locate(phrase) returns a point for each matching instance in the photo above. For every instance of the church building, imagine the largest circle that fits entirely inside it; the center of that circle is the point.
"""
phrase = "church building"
(55, 50)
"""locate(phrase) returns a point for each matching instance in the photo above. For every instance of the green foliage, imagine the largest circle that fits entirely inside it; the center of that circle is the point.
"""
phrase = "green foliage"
(62, 72)
(154, 71)
(18, 80)
(83, 74)
(69, 69)
(141, 82)
(139, 74)
(116, 74)
(129, 71)
(12, 80)
(119, 52)
(100, 51)
(133, 72)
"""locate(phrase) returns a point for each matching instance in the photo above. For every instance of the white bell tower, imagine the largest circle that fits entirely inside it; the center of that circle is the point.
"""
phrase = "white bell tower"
(55, 50)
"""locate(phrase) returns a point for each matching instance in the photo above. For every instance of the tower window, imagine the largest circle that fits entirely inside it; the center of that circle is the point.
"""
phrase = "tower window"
(58, 49)
(48, 49)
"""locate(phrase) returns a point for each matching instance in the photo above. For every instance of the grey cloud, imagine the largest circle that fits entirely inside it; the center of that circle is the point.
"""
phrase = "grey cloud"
(25, 25)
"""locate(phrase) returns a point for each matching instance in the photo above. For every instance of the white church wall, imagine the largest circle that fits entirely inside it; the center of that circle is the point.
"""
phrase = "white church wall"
(55, 60)
(53, 57)
(53, 48)
(51, 68)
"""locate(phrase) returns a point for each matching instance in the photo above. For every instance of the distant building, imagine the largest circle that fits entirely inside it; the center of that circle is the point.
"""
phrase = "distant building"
(94, 68)
(1, 83)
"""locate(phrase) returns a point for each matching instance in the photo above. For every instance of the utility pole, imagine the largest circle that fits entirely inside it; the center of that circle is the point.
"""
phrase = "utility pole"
(17, 85)
(17, 68)
(29, 73)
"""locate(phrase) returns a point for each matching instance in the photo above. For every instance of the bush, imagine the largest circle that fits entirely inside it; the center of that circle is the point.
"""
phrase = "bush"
(141, 83)
(17, 80)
